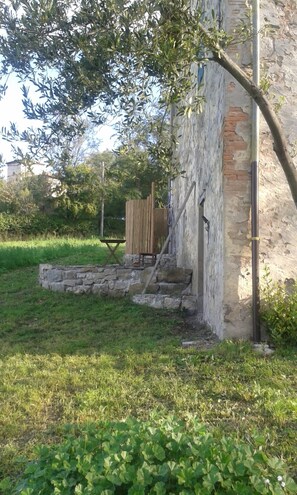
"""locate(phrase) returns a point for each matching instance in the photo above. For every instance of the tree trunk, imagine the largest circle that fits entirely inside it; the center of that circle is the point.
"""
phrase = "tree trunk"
(280, 142)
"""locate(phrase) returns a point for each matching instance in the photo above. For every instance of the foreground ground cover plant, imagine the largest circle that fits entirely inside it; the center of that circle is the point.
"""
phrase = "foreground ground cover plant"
(67, 359)
(159, 456)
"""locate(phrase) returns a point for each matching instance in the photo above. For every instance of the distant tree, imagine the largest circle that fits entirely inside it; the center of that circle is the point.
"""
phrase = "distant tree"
(26, 195)
(79, 192)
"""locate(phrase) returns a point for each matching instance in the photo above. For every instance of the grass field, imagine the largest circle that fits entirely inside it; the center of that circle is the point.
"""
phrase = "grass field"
(29, 253)
(75, 359)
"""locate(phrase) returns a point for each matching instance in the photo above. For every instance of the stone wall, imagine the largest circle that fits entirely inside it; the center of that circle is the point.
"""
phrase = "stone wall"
(200, 246)
(169, 288)
(278, 216)
(237, 187)
(214, 150)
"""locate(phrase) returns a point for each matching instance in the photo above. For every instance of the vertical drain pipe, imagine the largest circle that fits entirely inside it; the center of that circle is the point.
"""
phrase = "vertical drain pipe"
(255, 177)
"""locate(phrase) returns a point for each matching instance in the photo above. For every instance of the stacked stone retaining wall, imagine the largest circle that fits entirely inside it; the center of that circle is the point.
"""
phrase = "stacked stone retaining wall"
(169, 288)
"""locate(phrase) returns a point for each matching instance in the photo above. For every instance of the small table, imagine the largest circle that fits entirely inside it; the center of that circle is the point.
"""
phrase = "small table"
(112, 245)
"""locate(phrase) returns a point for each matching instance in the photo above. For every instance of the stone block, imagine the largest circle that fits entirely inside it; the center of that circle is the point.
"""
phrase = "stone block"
(149, 300)
(57, 287)
(121, 285)
(171, 289)
(101, 289)
(124, 273)
(85, 269)
(81, 275)
(81, 289)
(175, 275)
(145, 275)
(172, 302)
(112, 276)
(152, 289)
(54, 275)
(187, 291)
(135, 288)
(110, 270)
(189, 304)
(70, 274)
(71, 283)
(110, 284)
(135, 275)
(44, 268)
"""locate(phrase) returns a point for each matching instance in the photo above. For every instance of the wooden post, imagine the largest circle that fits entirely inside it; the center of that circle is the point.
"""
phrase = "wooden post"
(102, 202)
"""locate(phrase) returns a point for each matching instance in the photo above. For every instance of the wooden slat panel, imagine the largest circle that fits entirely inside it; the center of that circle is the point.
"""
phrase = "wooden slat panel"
(140, 235)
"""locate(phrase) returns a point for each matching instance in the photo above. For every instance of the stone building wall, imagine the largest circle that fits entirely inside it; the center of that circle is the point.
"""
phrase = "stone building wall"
(237, 188)
(278, 216)
(214, 150)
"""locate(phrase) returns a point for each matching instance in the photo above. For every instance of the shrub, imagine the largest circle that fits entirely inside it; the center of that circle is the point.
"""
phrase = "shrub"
(279, 310)
(155, 457)
(36, 224)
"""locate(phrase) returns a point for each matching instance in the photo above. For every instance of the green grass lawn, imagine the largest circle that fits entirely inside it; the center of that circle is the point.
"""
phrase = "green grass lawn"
(75, 359)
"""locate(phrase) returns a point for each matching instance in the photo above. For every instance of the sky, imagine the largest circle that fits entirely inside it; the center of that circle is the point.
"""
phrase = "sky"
(11, 111)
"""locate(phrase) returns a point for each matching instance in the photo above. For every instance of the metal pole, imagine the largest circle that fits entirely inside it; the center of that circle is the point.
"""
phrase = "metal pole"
(171, 248)
(255, 177)
(102, 202)
(152, 233)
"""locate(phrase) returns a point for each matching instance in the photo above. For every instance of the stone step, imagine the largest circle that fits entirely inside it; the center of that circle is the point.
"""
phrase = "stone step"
(163, 301)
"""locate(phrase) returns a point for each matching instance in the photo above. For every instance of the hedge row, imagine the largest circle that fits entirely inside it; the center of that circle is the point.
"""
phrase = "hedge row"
(36, 224)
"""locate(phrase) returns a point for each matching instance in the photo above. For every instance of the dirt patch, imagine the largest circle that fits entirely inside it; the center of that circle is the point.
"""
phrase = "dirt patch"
(194, 334)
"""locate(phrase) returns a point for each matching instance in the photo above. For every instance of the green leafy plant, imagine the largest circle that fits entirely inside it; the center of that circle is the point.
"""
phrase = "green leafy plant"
(159, 456)
(279, 310)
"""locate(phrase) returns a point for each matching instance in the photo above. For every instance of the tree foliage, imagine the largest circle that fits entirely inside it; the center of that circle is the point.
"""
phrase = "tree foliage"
(74, 194)
(94, 57)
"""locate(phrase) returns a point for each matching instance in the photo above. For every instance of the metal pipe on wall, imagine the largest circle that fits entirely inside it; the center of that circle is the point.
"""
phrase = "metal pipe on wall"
(255, 147)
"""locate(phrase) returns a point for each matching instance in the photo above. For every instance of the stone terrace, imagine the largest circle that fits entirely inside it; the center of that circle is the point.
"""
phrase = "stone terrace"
(170, 287)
